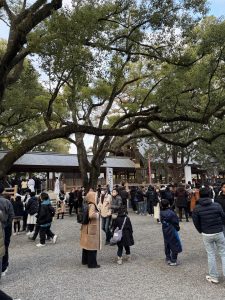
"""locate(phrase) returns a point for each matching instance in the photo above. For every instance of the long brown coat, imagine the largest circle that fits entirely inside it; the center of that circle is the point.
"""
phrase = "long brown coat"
(90, 238)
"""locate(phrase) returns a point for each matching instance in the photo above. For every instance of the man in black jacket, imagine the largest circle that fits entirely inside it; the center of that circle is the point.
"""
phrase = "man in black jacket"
(221, 200)
(208, 218)
(8, 214)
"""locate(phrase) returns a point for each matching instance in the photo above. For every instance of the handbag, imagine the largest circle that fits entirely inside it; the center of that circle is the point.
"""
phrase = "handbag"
(118, 234)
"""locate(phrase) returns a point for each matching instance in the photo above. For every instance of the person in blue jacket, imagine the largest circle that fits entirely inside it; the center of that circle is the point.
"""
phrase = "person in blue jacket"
(170, 228)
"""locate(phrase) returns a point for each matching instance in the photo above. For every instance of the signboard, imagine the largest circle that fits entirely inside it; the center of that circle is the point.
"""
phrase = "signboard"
(109, 178)
(187, 174)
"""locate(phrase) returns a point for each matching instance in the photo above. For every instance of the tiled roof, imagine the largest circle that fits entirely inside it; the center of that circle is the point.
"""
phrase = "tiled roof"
(66, 160)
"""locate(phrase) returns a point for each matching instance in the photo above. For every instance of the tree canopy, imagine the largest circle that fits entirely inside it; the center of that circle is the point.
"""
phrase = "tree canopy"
(133, 68)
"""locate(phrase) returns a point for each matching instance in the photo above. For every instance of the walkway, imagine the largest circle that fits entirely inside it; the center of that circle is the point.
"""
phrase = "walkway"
(55, 272)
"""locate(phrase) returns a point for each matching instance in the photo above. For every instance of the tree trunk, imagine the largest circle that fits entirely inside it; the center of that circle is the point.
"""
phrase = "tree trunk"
(84, 164)
(94, 174)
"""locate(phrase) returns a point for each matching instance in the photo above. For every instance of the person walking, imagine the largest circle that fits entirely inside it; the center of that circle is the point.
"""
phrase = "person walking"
(44, 219)
(181, 197)
(32, 209)
(8, 215)
(123, 222)
(151, 196)
(208, 218)
(31, 184)
(90, 240)
(124, 194)
(72, 201)
(170, 228)
(104, 207)
(18, 214)
(140, 202)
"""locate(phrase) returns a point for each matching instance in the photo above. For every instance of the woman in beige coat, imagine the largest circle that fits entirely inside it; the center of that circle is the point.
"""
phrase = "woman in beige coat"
(90, 240)
(104, 207)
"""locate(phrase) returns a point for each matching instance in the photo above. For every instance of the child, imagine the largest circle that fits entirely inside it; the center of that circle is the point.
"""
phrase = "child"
(127, 236)
(44, 219)
(170, 228)
(18, 211)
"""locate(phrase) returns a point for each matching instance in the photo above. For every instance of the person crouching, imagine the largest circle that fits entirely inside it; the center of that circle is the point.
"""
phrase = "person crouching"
(44, 219)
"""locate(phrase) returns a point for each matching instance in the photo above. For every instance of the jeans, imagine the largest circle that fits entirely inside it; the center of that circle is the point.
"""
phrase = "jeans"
(141, 207)
(120, 250)
(170, 255)
(106, 227)
(45, 231)
(216, 241)
(16, 225)
(185, 212)
(5, 259)
(150, 207)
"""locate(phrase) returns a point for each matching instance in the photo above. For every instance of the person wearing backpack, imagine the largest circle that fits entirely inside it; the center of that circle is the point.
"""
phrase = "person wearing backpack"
(90, 240)
(123, 222)
(32, 209)
(44, 219)
(151, 196)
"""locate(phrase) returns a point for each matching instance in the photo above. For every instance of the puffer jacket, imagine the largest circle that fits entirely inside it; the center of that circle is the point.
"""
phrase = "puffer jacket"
(208, 217)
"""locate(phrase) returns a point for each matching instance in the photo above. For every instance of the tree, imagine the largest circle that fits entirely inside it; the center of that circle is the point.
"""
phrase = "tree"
(114, 73)
(22, 20)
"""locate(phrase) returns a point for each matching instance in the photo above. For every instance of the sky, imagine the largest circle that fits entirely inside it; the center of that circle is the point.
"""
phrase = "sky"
(217, 8)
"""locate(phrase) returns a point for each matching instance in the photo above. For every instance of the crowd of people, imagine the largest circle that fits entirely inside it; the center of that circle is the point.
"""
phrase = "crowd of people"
(108, 211)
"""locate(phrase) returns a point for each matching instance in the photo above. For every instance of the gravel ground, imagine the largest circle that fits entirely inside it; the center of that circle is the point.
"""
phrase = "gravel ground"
(55, 271)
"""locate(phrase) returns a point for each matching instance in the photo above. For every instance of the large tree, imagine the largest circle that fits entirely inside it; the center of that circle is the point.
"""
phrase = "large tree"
(120, 72)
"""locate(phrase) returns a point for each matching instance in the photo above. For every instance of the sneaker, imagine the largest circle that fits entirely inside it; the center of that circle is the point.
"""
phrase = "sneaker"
(40, 245)
(173, 264)
(28, 233)
(119, 260)
(127, 257)
(54, 239)
(14, 233)
(211, 279)
(4, 273)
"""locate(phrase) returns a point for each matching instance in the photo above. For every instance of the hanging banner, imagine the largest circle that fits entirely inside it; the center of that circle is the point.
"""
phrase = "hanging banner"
(109, 178)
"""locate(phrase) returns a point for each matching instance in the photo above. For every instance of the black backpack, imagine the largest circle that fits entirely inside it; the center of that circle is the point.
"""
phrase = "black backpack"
(51, 211)
(83, 214)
